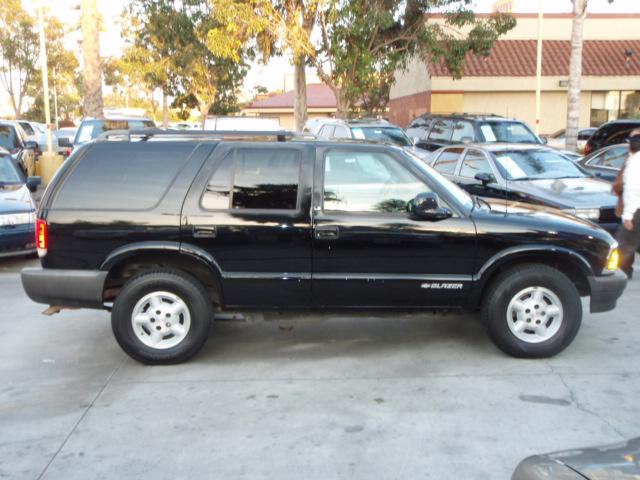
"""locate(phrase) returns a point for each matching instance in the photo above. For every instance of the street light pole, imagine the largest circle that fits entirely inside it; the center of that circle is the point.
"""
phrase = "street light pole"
(539, 67)
(45, 79)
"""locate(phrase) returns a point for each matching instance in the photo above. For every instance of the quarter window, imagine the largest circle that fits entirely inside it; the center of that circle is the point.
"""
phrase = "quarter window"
(474, 162)
(447, 161)
(255, 179)
(368, 182)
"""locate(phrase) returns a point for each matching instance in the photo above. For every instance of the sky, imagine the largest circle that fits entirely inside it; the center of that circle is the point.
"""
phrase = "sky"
(278, 73)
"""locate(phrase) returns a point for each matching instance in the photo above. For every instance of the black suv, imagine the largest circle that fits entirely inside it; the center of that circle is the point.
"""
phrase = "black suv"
(610, 133)
(165, 228)
(433, 131)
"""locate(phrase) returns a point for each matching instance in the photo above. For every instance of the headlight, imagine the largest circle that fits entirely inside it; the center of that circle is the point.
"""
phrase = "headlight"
(17, 219)
(613, 259)
(585, 213)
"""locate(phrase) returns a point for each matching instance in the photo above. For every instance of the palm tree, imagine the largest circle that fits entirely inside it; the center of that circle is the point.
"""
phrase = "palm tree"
(92, 68)
(575, 74)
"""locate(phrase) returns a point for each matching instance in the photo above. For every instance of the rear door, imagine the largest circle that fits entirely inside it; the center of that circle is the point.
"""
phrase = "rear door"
(367, 251)
(249, 209)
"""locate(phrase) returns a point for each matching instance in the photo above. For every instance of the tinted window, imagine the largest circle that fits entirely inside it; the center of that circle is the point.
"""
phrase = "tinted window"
(255, 178)
(122, 176)
(474, 162)
(419, 123)
(448, 160)
(612, 158)
(368, 182)
(383, 134)
(585, 134)
(463, 131)
(441, 131)
(535, 165)
(510, 132)
(27, 128)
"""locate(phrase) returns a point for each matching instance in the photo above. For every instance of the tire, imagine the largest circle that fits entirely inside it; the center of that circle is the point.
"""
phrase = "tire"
(173, 303)
(515, 311)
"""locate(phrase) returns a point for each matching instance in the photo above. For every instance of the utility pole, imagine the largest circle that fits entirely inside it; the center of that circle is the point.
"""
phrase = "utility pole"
(45, 79)
(539, 67)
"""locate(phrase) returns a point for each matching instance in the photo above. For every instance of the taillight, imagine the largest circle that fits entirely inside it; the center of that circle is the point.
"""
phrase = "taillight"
(587, 149)
(42, 237)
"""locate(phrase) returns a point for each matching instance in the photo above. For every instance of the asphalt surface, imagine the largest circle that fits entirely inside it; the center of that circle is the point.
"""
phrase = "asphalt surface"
(319, 397)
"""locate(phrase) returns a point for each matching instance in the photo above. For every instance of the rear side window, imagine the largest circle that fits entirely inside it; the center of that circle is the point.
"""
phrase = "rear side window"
(122, 176)
(447, 161)
(27, 128)
(255, 179)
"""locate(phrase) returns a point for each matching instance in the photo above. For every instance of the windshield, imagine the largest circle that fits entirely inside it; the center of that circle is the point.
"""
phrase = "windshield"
(460, 195)
(382, 134)
(91, 129)
(508, 132)
(8, 138)
(536, 165)
(8, 172)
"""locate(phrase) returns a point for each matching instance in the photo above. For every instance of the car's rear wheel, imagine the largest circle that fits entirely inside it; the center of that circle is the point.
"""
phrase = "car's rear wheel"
(532, 311)
(162, 317)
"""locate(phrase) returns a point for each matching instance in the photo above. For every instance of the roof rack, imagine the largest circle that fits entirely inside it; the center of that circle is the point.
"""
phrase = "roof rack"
(144, 134)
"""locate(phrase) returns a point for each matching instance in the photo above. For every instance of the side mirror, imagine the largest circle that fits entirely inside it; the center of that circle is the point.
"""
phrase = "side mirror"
(544, 140)
(64, 142)
(426, 206)
(32, 183)
(31, 145)
(485, 178)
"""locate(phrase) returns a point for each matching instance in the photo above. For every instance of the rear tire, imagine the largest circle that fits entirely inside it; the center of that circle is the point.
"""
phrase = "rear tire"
(162, 317)
(532, 311)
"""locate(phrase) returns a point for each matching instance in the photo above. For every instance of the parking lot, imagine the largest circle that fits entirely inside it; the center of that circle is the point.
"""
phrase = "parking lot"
(416, 396)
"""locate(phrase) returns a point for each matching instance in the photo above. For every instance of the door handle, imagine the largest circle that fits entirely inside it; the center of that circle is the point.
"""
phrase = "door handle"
(326, 233)
(208, 231)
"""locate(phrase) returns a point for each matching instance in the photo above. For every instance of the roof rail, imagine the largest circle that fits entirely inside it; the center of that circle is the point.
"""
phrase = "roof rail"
(152, 132)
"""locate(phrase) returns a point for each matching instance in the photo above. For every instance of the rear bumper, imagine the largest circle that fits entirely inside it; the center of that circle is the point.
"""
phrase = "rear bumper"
(605, 291)
(72, 288)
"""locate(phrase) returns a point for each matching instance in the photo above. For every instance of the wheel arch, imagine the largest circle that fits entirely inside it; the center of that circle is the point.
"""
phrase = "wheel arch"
(569, 262)
(134, 258)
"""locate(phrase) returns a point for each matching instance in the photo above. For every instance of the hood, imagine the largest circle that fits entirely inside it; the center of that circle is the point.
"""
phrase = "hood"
(15, 199)
(569, 192)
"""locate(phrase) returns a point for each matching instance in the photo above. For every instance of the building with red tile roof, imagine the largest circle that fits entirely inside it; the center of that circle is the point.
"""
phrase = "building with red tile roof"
(503, 82)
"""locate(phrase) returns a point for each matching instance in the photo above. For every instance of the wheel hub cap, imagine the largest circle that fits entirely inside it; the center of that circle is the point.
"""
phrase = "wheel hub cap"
(534, 314)
(161, 320)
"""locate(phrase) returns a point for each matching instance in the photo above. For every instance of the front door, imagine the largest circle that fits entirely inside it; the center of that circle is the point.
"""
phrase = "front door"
(249, 210)
(367, 251)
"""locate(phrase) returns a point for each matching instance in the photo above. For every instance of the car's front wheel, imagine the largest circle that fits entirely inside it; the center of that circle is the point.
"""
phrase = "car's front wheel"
(532, 311)
(162, 317)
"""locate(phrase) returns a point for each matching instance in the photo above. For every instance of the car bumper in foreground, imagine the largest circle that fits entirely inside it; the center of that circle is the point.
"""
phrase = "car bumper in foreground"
(72, 288)
(605, 291)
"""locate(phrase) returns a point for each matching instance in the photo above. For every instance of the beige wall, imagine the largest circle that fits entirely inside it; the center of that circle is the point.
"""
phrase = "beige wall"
(285, 115)
(412, 80)
(521, 105)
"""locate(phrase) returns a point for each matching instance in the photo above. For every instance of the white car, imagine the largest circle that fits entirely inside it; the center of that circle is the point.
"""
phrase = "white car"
(558, 140)
(38, 133)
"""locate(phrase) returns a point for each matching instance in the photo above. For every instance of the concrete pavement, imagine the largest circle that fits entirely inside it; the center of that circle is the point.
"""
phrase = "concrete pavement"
(319, 397)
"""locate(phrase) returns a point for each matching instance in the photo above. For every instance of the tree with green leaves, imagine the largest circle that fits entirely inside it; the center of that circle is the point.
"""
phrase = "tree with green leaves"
(19, 50)
(271, 27)
(174, 32)
(363, 42)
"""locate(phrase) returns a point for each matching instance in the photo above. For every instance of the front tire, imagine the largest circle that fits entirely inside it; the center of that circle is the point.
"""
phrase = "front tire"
(162, 317)
(532, 311)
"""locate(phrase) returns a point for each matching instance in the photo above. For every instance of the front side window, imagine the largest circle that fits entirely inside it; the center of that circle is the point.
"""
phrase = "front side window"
(463, 131)
(441, 131)
(341, 132)
(9, 174)
(255, 179)
(474, 162)
(447, 161)
(360, 181)
(8, 138)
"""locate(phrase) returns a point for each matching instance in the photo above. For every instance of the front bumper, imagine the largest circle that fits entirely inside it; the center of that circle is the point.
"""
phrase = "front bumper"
(69, 288)
(605, 291)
